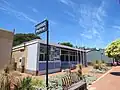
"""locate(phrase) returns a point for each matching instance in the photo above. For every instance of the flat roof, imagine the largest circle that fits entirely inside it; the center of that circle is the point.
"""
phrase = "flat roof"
(43, 42)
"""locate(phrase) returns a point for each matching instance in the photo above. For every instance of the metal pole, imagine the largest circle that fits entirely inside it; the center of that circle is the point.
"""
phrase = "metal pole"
(82, 55)
(101, 54)
(77, 54)
(77, 58)
(81, 52)
(69, 60)
(47, 54)
(85, 57)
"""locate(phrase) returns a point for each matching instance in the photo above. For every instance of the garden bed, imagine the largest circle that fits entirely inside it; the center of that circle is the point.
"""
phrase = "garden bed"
(57, 81)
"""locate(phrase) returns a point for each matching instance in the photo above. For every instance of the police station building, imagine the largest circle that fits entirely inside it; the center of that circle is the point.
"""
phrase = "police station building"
(32, 55)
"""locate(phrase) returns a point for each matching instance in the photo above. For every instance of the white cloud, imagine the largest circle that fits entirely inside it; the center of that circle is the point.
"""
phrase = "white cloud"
(91, 19)
(2, 9)
(86, 36)
(116, 27)
(64, 2)
(69, 3)
(12, 11)
(70, 14)
(25, 16)
(6, 2)
(35, 10)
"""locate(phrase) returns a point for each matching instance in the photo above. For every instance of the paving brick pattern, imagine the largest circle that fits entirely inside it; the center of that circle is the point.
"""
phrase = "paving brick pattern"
(111, 81)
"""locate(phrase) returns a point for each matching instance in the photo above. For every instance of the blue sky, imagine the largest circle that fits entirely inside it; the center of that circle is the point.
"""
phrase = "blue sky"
(90, 23)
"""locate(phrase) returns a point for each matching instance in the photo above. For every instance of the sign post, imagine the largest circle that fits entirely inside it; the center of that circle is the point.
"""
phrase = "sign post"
(41, 28)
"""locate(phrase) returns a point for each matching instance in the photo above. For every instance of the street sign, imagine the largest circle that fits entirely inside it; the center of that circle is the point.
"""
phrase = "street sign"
(41, 27)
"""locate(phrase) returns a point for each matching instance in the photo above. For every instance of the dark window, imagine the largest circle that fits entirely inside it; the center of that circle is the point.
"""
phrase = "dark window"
(71, 58)
(66, 58)
(42, 49)
(62, 57)
(45, 57)
(41, 58)
(76, 57)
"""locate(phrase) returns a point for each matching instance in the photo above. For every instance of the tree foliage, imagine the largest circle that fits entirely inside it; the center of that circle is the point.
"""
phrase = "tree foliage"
(67, 44)
(20, 38)
(113, 49)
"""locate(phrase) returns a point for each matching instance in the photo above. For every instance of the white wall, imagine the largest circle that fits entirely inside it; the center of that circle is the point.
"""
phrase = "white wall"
(96, 55)
(32, 57)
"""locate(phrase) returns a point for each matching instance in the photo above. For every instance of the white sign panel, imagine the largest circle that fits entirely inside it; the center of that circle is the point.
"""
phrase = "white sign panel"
(41, 27)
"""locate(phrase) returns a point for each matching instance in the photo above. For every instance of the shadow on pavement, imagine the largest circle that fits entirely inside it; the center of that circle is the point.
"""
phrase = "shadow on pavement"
(115, 73)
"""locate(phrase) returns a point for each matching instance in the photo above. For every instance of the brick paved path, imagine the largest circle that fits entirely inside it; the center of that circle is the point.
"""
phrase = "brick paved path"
(111, 81)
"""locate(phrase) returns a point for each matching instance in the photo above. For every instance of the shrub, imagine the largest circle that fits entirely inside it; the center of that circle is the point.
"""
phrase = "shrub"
(97, 61)
(8, 81)
(98, 71)
(96, 66)
(4, 82)
(6, 70)
(79, 70)
(75, 77)
(26, 84)
(89, 79)
(103, 62)
(67, 70)
(79, 66)
(100, 67)
(5, 79)
(55, 82)
(38, 83)
(59, 82)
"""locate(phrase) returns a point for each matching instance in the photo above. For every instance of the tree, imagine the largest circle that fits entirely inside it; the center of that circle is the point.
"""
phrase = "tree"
(67, 44)
(113, 49)
(20, 38)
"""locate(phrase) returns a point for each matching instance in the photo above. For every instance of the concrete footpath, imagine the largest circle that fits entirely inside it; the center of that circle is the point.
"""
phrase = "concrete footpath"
(110, 81)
